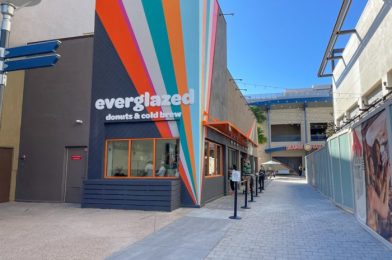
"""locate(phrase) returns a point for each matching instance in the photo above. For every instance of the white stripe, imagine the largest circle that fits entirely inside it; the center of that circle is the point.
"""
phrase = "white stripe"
(135, 13)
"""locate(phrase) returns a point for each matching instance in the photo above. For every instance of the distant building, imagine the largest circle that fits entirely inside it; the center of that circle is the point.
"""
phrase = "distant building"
(296, 123)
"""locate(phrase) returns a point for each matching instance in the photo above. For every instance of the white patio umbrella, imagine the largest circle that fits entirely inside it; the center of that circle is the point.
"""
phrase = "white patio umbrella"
(273, 165)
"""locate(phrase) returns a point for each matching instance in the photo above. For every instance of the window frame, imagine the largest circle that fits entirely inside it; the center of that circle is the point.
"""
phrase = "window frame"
(129, 176)
(216, 174)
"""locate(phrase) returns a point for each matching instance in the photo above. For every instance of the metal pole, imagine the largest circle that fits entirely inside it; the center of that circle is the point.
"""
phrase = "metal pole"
(251, 188)
(7, 10)
(246, 196)
(235, 202)
(257, 181)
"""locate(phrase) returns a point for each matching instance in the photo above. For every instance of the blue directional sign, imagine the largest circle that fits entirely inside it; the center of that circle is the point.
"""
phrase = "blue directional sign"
(31, 63)
(32, 49)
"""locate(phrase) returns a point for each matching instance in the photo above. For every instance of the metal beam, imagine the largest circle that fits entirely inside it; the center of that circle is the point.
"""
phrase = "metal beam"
(332, 40)
(346, 32)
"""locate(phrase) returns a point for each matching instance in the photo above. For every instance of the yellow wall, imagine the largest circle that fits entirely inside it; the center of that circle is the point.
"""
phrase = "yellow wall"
(11, 121)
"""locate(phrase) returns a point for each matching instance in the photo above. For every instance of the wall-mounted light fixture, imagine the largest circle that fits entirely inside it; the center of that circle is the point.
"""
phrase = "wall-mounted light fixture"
(235, 79)
(78, 121)
(386, 86)
(230, 14)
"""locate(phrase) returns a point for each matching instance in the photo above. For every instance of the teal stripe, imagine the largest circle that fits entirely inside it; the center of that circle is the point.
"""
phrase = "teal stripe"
(156, 21)
(207, 44)
(190, 17)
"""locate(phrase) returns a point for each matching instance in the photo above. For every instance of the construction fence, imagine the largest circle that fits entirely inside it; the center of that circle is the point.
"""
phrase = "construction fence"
(353, 170)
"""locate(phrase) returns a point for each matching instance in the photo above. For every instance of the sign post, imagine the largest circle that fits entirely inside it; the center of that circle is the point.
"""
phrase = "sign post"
(37, 55)
(7, 10)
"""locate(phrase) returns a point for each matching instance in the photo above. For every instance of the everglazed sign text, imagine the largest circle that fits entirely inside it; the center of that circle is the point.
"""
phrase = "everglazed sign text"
(133, 105)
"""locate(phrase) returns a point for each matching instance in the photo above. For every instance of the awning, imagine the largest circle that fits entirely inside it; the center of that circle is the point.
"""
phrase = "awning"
(231, 131)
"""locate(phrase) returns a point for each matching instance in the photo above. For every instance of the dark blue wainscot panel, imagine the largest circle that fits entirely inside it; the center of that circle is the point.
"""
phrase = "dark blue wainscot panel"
(160, 195)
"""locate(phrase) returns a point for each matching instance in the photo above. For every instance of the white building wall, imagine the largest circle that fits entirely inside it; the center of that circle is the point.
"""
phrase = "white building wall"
(367, 58)
(52, 19)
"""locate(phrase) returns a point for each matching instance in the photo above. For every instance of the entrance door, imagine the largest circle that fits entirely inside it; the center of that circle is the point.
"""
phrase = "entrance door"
(76, 164)
(5, 173)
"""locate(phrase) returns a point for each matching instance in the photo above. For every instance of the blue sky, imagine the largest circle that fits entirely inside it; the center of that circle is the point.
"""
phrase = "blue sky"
(281, 43)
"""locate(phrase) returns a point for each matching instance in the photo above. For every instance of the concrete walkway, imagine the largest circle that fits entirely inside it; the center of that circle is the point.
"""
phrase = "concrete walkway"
(35, 231)
(289, 221)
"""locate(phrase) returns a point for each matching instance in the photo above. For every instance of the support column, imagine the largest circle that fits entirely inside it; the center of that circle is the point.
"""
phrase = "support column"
(269, 129)
(306, 123)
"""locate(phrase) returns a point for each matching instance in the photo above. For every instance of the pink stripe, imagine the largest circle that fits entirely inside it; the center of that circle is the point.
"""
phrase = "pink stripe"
(213, 42)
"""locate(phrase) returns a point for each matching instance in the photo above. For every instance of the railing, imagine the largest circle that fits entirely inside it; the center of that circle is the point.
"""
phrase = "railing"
(318, 137)
(300, 93)
(286, 138)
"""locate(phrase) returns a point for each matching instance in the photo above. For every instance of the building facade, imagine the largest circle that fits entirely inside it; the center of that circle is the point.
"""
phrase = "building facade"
(296, 123)
(363, 76)
(160, 131)
(134, 116)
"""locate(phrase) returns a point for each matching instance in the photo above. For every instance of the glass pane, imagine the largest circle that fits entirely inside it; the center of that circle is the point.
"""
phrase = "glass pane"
(142, 158)
(211, 161)
(166, 158)
(218, 159)
(206, 159)
(117, 161)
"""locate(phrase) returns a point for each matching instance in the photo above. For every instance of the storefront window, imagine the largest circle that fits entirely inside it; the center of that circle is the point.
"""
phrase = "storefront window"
(166, 158)
(117, 158)
(206, 158)
(142, 158)
(142, 163)
(213, 160)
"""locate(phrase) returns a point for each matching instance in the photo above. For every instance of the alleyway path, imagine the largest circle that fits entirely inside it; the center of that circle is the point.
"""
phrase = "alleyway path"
(289, 220)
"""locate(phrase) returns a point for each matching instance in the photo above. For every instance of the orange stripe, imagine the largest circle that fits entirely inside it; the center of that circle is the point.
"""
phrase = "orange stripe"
(172, 11)
(112, 17)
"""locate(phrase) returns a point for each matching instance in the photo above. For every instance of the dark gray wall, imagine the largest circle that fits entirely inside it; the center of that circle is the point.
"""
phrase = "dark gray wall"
(219, 98)
(132, 194)
(53, 99)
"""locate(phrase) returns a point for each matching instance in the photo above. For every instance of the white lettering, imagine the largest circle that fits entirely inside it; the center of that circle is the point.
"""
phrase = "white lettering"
(100, 104)
(189, 98)
(176, 100)
(128, 102)
(165, 100)
(155, 101)
(119, 103)
(139, 103)
(109, 103)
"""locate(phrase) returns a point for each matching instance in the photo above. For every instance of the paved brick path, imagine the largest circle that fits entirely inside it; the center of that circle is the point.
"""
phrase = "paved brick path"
(292, 221)
(289, 221)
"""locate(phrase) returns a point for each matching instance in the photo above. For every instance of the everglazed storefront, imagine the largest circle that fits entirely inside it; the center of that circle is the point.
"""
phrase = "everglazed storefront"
(151, 142)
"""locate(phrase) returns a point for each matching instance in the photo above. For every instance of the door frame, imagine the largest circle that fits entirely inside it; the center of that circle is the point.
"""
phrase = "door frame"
(65, 168)
(12, 166)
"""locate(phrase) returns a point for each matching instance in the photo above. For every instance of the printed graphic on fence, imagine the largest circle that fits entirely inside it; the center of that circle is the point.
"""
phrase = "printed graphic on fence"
(377, 175)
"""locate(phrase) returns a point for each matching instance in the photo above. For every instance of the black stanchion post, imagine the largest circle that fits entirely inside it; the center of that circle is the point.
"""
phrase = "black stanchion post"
(246, 196)
(257, 181)
(251, 189)
(235, 202)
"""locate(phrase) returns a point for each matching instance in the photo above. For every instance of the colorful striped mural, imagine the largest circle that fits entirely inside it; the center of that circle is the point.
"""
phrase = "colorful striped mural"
(167, 47)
